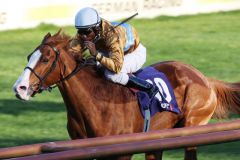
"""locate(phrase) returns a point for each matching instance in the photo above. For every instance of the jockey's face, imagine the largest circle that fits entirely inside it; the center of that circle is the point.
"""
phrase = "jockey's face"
(86, 34)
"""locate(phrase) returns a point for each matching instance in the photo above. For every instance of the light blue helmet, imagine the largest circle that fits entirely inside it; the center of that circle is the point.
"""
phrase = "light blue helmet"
(86, 18)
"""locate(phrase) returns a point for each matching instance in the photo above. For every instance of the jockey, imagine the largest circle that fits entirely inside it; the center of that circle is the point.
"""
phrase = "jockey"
(118, 49)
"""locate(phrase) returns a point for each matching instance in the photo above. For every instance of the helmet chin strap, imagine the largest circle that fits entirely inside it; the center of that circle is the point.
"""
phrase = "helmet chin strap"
(97, 33)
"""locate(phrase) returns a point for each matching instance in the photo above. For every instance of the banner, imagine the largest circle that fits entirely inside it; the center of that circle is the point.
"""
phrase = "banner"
(25, 13)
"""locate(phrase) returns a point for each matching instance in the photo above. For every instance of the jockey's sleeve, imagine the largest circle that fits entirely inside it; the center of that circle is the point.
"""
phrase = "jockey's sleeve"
(115, 60)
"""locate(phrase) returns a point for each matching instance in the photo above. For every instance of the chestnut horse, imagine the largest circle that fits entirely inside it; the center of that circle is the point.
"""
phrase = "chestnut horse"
(97, 107)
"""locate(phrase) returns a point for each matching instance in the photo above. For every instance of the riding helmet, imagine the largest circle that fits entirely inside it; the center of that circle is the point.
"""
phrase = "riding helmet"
(87, 18)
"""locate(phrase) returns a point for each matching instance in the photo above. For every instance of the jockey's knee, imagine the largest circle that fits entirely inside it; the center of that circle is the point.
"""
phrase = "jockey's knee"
(135, 60)
(120, 78)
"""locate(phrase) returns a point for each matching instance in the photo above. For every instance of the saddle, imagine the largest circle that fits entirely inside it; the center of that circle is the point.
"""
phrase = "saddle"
(164, 100)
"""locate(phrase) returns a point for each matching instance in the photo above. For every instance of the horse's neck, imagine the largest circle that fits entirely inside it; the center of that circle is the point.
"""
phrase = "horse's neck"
(78, 89)
(87, 89)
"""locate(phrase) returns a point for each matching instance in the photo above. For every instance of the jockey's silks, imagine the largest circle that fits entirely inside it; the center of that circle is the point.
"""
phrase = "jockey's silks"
(114, 44)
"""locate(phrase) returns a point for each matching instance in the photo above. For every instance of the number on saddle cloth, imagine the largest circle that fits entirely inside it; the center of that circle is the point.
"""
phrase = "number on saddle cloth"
(163, 101)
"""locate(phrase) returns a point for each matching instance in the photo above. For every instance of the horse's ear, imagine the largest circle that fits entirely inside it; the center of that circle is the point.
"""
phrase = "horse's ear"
(46, 37)
(59, 31)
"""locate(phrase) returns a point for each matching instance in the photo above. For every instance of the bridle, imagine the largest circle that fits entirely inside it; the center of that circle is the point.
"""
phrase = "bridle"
(78, 67)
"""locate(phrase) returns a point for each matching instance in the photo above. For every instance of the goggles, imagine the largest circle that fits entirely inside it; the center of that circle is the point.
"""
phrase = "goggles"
(85, 31)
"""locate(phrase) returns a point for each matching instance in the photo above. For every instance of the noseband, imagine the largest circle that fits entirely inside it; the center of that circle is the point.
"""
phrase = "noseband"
(77, 68)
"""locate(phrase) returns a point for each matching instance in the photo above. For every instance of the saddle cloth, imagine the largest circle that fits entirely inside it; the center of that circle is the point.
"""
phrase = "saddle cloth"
(165, 101)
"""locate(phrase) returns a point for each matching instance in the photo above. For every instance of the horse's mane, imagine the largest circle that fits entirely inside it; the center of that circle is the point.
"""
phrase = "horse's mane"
(63, 40)
(59, 38)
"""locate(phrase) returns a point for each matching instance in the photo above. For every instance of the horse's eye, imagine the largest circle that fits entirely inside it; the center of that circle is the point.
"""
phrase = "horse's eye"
(44, 60)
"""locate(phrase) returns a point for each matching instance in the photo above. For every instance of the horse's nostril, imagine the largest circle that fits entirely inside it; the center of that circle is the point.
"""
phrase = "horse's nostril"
(23, 88)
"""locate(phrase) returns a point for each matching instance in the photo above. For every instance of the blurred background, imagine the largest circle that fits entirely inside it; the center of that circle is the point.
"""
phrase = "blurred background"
(202, 33)
(25, 14)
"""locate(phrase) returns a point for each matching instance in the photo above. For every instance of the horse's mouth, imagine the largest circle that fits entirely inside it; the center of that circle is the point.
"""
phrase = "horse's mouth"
(23, 97)
(32, 91)
(19, 97)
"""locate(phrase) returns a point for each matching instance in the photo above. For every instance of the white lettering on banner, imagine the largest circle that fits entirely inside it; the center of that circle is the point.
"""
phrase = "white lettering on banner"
(133, 5)
(151, 4)
(3, 17)
(116, 6)
(163, 88)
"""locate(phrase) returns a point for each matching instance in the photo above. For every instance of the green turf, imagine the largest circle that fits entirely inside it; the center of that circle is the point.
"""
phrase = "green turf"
(210, 42)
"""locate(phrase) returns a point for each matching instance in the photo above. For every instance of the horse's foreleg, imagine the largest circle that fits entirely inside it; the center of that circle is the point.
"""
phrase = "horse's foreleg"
(154, 155)
(190, 153)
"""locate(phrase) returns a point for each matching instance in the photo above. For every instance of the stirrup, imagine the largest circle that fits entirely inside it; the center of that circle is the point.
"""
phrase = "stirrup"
(152, 92)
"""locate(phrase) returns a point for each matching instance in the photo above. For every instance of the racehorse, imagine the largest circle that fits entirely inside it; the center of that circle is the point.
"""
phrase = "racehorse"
(97, 107)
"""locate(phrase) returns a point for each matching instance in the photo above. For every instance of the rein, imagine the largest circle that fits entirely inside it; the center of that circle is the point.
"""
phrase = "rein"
(78, 67)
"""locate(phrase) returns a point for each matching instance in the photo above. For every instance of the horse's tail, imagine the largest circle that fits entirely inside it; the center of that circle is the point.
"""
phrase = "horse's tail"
(228, 98)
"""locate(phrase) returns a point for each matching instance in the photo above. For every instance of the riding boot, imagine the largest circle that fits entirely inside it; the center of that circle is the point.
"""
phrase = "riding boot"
(142, 85)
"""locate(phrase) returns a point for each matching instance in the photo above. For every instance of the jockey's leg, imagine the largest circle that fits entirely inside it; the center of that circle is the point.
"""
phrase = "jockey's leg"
(132, 63)
(142, 85)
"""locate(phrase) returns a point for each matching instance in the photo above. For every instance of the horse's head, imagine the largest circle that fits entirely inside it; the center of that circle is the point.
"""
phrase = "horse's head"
(43, 68)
